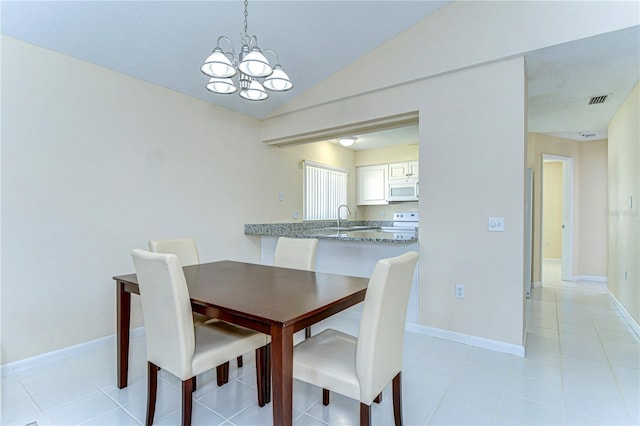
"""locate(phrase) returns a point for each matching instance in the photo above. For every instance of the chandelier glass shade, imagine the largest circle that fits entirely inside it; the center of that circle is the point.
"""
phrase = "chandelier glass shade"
(255, 73)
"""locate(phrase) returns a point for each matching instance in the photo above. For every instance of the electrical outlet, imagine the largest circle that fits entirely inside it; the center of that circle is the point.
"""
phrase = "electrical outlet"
(295, 214)
(459, 291)
(496, 224)
(281, 196)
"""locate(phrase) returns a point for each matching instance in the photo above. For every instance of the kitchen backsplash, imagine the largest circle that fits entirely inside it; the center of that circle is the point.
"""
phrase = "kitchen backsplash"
(385, 212)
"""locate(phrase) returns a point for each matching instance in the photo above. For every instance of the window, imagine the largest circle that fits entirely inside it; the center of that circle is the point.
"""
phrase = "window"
(325, 188)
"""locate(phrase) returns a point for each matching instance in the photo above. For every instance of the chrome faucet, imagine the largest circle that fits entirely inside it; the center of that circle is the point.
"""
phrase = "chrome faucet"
(348, 212)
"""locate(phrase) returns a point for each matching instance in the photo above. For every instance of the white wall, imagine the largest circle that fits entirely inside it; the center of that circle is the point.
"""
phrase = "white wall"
(285, 175)
(624, 219)
(460, 35)
(95, 163)
(594, 218)
(464, 182)
(472, 133)
(552, 210)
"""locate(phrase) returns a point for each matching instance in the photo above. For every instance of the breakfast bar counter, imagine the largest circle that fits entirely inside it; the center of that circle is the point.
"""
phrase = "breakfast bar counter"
(352, 249)
(357, 231)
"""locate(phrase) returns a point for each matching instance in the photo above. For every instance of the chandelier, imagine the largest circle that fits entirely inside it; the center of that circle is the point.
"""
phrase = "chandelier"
(255, 73)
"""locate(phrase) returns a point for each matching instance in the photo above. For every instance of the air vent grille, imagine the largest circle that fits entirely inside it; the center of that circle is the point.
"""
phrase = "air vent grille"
(594, 100)
(587, 134)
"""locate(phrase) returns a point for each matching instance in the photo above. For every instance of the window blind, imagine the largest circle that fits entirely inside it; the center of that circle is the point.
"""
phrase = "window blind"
(325, 188)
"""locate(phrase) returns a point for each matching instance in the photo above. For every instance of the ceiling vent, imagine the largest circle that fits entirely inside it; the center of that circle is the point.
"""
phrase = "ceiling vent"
(594, 100)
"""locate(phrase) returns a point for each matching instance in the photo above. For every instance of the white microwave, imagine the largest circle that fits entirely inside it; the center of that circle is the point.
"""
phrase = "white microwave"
(404, 190)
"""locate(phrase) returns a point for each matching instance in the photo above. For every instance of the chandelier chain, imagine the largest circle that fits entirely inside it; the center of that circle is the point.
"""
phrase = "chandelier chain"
(245, 34)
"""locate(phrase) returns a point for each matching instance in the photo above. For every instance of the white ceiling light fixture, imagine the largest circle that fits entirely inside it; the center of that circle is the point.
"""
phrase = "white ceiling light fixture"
(347, 141)
(250, 65)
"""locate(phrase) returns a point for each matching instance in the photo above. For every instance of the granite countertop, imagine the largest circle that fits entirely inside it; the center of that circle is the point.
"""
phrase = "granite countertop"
(363, 231)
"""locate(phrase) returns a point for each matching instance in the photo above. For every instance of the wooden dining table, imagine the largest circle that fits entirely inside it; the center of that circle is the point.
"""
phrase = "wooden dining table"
(273, 300)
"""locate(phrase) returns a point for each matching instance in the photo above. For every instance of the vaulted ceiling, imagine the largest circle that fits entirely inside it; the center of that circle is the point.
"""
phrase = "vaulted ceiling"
(165, 42)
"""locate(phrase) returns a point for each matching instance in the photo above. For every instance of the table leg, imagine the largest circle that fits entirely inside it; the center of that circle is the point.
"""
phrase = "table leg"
(123, 314)
(282, 375)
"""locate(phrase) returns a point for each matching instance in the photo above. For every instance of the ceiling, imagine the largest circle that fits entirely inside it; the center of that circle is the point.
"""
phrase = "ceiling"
(165, 42)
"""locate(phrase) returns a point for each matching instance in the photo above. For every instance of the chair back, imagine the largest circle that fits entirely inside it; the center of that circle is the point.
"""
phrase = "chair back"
(166, 309)
(185, 248)
(381, 336)
(296, 253)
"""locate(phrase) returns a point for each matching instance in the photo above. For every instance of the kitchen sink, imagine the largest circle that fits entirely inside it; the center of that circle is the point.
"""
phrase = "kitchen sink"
(350, 228)
(355, 233)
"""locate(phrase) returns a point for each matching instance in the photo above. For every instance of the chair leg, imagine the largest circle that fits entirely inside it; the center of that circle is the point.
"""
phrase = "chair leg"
(365, 415)
(397, 399)
(263, 373)
(260, 375)
(378, 399)
(267, 373)
(226, 372)
(307, 332)
(325, 397)
(187, 401)
(152, 391)
(222, 373)
(239, 361)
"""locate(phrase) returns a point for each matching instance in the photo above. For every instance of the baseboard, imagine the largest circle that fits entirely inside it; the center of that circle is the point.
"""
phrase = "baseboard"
(70, 351)
(627, 316)
(480, 342)
(593, 278)
(351, 314)
(81, 348)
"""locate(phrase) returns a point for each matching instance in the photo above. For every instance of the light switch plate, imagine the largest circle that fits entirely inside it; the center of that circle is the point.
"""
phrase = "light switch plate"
(496, 224)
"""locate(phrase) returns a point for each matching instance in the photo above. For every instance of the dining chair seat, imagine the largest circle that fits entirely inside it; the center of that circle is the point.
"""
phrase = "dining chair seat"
(216, 341)
(336, 352)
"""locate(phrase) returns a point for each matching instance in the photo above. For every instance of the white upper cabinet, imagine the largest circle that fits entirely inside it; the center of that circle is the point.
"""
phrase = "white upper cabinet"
(373, 184)
(403, 170)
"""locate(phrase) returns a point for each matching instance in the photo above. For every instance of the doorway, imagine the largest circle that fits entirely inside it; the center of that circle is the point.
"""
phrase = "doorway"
(557, 219)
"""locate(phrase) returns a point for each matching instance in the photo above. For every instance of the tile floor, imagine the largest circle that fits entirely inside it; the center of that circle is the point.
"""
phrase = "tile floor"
(581, 368)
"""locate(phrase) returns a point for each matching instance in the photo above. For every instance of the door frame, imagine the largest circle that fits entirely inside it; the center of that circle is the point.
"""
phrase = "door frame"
(567, 215)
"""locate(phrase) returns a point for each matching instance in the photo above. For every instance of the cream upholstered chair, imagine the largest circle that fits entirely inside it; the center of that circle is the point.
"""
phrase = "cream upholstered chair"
(187, 251)
(296, 253)
(174, 344)
(185, 248)
(361, 367)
